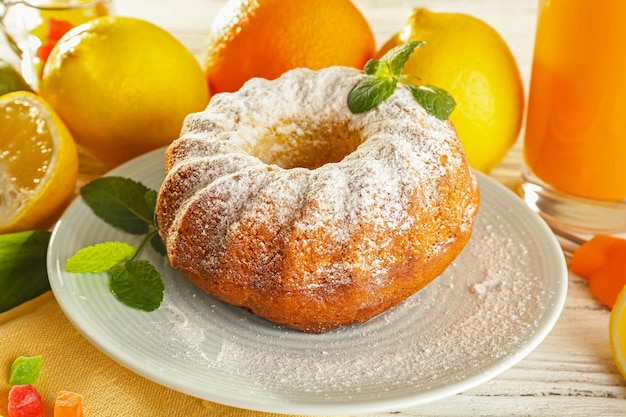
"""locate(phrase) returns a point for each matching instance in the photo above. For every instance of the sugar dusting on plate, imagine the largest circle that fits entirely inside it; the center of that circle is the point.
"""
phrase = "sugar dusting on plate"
(475, 314)
(497, 302)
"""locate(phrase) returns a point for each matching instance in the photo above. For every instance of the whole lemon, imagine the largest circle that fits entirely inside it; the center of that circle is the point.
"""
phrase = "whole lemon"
(123, 86)
(469, 59)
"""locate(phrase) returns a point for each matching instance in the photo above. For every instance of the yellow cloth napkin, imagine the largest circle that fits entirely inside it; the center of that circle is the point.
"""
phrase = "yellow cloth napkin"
(72, 363)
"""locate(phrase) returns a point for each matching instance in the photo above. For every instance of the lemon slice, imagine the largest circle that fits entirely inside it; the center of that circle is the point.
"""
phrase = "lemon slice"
(617, 332)
(38, 163)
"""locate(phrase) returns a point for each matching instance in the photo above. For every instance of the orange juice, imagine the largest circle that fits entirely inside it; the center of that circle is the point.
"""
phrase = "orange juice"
(576, 125)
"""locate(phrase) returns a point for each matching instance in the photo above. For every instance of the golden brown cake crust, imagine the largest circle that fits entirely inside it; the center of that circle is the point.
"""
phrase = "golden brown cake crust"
(252, 214)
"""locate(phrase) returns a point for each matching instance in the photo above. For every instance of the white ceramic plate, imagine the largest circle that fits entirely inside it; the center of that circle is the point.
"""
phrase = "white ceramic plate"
(490, 308)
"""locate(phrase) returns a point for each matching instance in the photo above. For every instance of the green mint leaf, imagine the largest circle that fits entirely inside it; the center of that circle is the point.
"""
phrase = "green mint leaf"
(23, 272)
(120, 202)
(370, 92)
(100, 257)
(158, 245)
(138, 285)
(371, 67)
(151, 201)
(25, 370)
(398, 56)
(150, 198)
(435, 100)
(382, 78)
(129, 206)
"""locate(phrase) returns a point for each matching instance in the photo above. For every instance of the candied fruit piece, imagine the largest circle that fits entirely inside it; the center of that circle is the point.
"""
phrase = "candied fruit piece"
(25, 401)
(68, 404)
(601, 261)
(25, 370)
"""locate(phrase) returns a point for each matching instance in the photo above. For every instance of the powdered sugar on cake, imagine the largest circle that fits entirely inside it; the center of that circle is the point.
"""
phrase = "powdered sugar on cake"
(258, 168)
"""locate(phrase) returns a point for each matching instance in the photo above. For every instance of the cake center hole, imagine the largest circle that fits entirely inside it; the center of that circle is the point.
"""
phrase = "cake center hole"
(291, 144)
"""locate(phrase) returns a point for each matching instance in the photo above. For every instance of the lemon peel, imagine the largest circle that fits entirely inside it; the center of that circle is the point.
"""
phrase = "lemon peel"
(617, 332)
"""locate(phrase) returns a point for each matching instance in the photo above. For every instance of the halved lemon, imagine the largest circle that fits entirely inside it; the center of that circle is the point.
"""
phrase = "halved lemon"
(617, 331)
(38, 163)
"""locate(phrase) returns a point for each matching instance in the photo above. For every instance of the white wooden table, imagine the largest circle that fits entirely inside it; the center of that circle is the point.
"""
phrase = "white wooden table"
(572, 372)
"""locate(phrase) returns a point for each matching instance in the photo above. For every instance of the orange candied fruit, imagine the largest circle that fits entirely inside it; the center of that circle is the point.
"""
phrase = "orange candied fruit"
(68, 404)
(601, 262)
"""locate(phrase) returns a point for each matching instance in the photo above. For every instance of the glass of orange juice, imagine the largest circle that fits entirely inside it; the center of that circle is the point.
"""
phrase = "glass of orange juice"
(574, 170)
(32, 27)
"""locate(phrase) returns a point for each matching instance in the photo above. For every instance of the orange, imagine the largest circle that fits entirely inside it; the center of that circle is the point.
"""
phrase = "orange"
(38, 163)
(264, 38)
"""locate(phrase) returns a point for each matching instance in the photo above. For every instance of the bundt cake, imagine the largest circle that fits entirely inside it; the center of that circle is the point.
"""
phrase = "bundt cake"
(279, 200)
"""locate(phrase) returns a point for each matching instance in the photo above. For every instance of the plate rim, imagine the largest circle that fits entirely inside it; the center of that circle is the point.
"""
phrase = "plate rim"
(382, 404)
